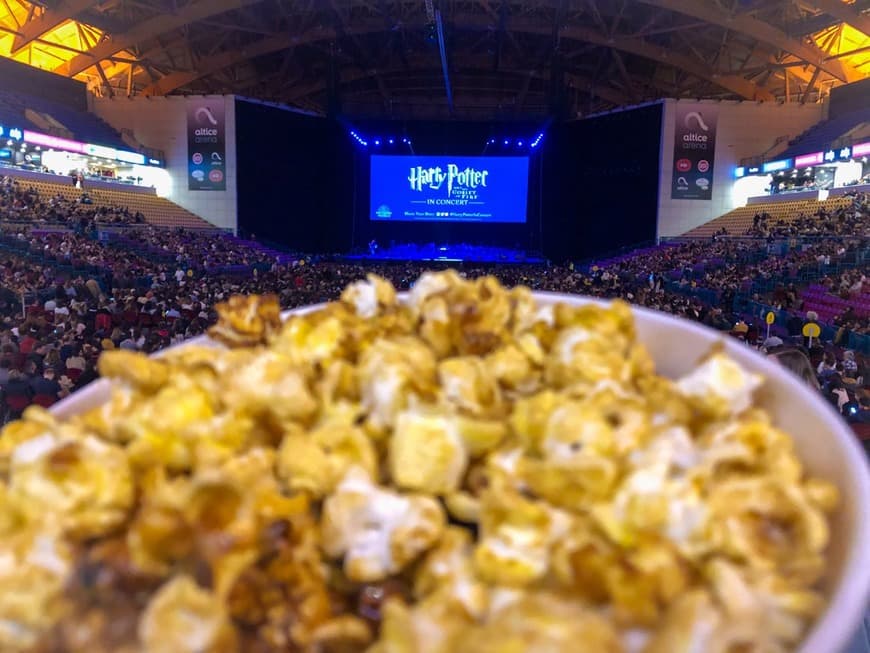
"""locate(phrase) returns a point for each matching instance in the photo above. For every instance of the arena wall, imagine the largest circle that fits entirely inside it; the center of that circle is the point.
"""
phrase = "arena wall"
(744, 129)
(161, 122)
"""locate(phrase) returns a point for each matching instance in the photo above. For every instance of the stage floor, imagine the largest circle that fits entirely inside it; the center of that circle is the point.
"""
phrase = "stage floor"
(448, 254)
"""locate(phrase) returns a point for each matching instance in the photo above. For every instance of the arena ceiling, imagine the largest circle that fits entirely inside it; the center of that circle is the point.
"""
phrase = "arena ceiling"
(468, 58)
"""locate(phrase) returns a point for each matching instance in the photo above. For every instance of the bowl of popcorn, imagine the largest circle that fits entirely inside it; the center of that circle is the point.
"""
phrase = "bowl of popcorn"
(464, 467)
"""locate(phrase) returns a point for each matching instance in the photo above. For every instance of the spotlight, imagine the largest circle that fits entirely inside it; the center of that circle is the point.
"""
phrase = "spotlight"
(519, 143)
(377, 141)
(507, 141)
(392, 141)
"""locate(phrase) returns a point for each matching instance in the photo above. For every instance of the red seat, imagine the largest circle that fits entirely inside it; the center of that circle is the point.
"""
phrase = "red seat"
(44, 400)
(103, 322)
(17, 404)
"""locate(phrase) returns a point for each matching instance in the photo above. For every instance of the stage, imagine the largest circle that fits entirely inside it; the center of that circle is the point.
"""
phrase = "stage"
(463, 253)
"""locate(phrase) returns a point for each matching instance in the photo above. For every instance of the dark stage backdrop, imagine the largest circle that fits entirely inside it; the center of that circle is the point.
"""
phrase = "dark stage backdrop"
(849, 98)
(454, 138)
(601, 182)
(295, 178)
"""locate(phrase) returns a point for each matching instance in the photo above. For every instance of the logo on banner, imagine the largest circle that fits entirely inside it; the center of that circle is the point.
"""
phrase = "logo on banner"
(384, 211)
(197, 158)
(684, 165)
(199, 175)
(682, 184)
(694, 139)
(204, 114)
(703, 165)
(206, 133)
(434, 178)
(216, 176)
(703, 183)
(695, 116)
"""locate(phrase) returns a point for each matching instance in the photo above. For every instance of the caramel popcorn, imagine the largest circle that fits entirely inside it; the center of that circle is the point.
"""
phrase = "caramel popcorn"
(461, 469)
(245, 321)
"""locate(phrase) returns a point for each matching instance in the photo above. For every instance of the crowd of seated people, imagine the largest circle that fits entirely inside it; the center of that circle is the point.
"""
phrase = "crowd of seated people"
(75, 319)
(66, 296)
(846, 221)
(22, 203)
(198, 250)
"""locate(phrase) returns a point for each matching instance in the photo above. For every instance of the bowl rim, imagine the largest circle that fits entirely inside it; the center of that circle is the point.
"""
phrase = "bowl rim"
(834, 628)
(844, 611)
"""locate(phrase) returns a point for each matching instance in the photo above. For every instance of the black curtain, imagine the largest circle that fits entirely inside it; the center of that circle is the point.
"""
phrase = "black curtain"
(295, 177)
(600, 183)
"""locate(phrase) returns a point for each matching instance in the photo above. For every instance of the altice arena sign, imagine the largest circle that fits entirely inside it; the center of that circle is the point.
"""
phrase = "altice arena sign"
(694, 151)
(206, 144)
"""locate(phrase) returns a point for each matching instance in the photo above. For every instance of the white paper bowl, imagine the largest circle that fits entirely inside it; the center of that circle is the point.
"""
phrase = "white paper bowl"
(824, 442)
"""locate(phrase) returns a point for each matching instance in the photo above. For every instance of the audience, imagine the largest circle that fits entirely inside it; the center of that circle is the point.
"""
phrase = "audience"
(66, 294)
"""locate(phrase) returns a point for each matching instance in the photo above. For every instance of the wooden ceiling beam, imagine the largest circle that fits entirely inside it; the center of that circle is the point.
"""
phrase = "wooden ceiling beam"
(47, 21)
(761, 31)
(844, 13)
(150, 29)
(733, 83)
(580, 82)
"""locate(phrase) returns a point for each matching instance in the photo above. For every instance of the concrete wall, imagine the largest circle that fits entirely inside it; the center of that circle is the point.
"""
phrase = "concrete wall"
(744, 129)
(161, 123)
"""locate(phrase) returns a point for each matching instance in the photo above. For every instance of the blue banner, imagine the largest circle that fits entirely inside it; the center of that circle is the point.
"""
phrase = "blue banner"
(446, 188)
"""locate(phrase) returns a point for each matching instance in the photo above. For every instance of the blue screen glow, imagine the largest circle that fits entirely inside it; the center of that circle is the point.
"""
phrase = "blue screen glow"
(445, 188)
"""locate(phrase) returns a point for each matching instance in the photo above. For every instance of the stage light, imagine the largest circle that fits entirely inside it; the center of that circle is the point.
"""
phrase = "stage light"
(519, 143)
(377, 141)
(507, 141)
(392, 141)
(359, 139)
